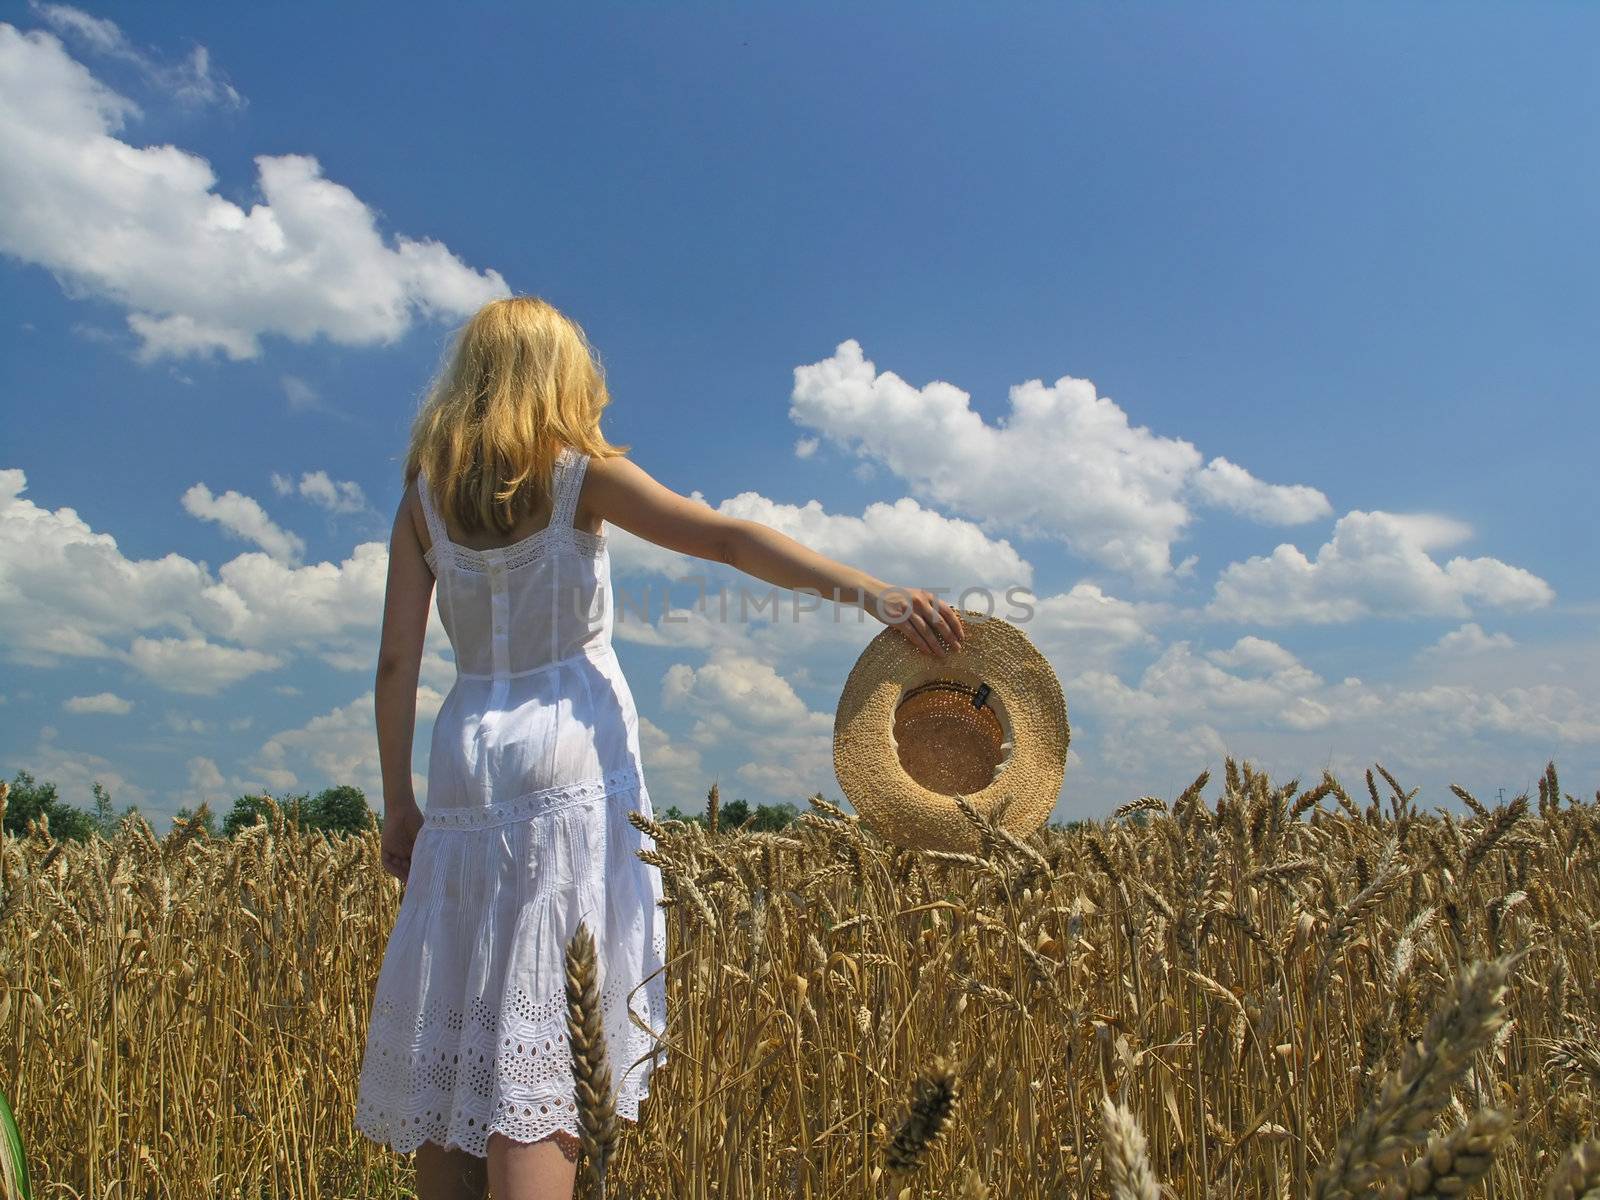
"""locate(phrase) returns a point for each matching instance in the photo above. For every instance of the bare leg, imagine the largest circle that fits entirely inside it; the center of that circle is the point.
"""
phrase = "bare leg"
(451, 1174)
(543, 1170)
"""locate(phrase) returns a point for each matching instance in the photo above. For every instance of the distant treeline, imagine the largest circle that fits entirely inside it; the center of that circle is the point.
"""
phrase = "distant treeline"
(342, 809)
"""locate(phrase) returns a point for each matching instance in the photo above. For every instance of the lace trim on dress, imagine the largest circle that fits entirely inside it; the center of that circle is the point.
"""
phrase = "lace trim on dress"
(533, 804)
(479, 1070)
(558, 533)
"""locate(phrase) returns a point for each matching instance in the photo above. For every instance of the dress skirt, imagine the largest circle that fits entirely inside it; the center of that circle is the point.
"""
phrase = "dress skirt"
(468, 1031)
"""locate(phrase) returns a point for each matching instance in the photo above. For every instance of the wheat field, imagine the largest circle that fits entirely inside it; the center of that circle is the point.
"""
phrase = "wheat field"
(1273, 993)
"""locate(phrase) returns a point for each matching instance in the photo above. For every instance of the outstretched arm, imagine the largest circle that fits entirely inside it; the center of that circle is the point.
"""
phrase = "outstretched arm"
(405, 623)
(622, 492)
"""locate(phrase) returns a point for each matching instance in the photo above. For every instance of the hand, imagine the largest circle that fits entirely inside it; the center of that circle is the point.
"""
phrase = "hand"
(919, 615)
(400, 828)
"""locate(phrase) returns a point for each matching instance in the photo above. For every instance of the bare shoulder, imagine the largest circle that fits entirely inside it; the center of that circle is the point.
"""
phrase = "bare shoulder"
(628, 496)
(410, 512)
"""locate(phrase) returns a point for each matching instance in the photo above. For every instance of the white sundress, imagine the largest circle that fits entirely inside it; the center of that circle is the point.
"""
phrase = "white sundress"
(533, 768)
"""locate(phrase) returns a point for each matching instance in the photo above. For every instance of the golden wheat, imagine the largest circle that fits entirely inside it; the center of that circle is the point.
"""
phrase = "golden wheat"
(1287, 991)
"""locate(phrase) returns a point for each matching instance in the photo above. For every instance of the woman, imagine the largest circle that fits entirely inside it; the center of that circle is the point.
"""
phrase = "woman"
(534, 764)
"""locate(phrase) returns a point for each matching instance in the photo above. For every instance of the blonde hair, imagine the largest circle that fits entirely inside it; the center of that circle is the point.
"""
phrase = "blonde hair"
(519, 380)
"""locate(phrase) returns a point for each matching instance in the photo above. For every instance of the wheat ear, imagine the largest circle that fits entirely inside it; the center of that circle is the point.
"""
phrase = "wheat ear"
(1454, 1162)
(597, 1115)
(932, 1103)
(1577, 1176)
(1396, 1122)
(1126, 1155)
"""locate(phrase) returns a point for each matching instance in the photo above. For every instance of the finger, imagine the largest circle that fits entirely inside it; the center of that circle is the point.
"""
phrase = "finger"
(952, 620)
(938, 623)
(908, 631)
(931, 628)
(926, 642)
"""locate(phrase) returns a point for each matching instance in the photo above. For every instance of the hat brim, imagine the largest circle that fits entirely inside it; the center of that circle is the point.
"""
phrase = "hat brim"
(1024, 693)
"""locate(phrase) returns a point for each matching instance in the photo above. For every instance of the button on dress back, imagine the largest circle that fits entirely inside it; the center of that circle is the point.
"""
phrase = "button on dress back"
(533, 768)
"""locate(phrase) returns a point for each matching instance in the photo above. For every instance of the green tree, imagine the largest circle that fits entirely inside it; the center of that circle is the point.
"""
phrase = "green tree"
(773, 818)
(246, 811)
(342, 809)
(731, 814)
(105, 816)
(31, 799)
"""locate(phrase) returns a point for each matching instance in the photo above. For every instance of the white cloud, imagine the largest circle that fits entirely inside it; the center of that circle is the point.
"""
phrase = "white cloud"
(900, 542)
(184, 723)
(205, 779)
(101, 702)
(191, 80)
(1251, 653)
(337, 496)
(673, 771)
(145, 228)
(746, 711)
(261, 601)
(1375, 565)
(336, 747)
(805, 447)
(244, 518)
(67, 591)
(1064, 463)
(1226, 485)
(1083, 625)
(195, 665)
(75, 770)
(1257, 700)
(1469, 639)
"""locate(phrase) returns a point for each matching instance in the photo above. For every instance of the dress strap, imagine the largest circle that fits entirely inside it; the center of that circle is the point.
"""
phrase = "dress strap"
(436, 533)
(568, 485)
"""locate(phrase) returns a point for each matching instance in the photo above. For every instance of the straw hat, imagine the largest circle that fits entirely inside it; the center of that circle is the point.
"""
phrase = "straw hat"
(987, 722)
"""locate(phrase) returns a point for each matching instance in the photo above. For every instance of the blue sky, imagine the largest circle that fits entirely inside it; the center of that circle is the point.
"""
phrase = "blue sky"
(1305, 296)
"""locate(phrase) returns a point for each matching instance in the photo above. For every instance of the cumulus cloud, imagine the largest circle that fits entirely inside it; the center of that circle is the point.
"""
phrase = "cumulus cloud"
(1065, 463)
(1469, 639)
(67, 591)
(76, 769)
(1158, 728)
(337, 496)
(1227, 485)
(900, 542)
(337, 746)
(675, 773)
(805, 447)
(1253, 654)
(743, 708)
(145, 228)
(244, 518)
(1376, 564)
(108, 703)
(1084, 625)
(196, 665)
